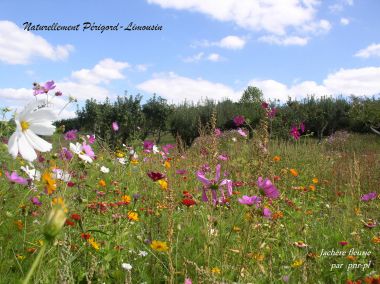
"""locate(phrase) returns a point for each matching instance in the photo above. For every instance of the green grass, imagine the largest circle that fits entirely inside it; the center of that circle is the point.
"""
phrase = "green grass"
(209, 244)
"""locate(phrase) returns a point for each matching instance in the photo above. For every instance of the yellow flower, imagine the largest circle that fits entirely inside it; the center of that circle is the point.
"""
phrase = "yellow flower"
(315, 180)
(93, 243)
(133, 216)
(297, 263)
(134, 162)
(215, 270)
(159, 246)
(276, 158)
(163, 184)
(102, 183)
(20, 256)
(236, 229)
(293, 172)
(50, 183)
(351, 257)
(119, 154)
(126, 198)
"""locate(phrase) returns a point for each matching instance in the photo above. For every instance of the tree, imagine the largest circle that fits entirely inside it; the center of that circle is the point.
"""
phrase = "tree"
(252, 95)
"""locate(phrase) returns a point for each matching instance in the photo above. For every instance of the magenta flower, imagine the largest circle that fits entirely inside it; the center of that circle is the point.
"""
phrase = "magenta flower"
(66, 154)
(295, 133)
(369, 196)
(70, 135)
(213, 185)
(115, 126)
(267, 213)
(91, 139)
(239, 120)
(250, 200)
(36, 201)
(188, 281)
(181, 172)
(15, 178)
(58, 94)
(269, 189)
(272, 113)
(148, 145)
(302, 127)
(264, 105)
(223, 157)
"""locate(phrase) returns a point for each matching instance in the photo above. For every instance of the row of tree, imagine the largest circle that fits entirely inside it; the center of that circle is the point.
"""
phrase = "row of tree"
(322, 116)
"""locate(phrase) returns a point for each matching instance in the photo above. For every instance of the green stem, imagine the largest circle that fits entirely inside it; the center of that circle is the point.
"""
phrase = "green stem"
(35, 264)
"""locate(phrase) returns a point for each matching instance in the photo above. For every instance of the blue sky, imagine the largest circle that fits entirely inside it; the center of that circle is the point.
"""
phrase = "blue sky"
(207, 48)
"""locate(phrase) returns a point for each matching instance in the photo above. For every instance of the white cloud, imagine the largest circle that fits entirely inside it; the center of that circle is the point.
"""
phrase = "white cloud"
(103, 72)
(271, 16)
(194, 58)
(339, 5)
(344, 21)
(176, 88)
(291, 40)
(215, 57)
(232, 42)
(142, 67)
(19, 47)
(372, 50)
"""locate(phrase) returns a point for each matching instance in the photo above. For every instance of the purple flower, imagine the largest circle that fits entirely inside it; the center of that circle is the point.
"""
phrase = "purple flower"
(269, 189)
(250, 200)
(213, 185)
(115, 126)
(66, 154)
(71, 135)
(267, 213)
(91, 139)
(15, 178)
(88, 150)
(264, 105)
(302, 127)
(36, 201)
(239, 120)
(369, 196)
(38, 89)
(58, 94)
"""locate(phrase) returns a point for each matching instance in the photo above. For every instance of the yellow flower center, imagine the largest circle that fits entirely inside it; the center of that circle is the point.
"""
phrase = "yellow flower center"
(24, 125)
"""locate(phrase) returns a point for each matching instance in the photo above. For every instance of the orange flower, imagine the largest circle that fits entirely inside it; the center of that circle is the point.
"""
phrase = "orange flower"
(50, 183)
(315, 180)
(351, 257)
(293, 172)
(19, 224)
(276, 158)
(133, 216)
(277, 215)
(167, 164)
(102, 183)
(312, 187)
(126, 199)
(376, 240)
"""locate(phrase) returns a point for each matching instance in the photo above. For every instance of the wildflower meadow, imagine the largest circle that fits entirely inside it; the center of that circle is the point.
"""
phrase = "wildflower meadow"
(255, 200)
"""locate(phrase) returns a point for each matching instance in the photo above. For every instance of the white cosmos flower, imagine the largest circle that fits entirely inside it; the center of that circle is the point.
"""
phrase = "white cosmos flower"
(33, 120)
(77, 148)
(126, 266)
(61, 175)
(32, 173)
(121, 160)
(104, 169)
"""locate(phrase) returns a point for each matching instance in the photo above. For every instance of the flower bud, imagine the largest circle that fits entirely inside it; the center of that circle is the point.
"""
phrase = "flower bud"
(54, 223)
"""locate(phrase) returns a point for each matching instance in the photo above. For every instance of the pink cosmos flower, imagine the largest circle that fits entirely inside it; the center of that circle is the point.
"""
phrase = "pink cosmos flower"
(70, 135)
(148, 145)
(115, 126)
(264, 105)
(218, 132)
(250, 200)
(166, 148)
(242, 132)
(239, 120)
(272, 113)
(66, 154)
(213, 185)
(38, 89)
(91, 139)
(188, 281)
(269, 189)
(36, 201)
(294, 132)
(88, 150)
(223, 157)
(15, 178)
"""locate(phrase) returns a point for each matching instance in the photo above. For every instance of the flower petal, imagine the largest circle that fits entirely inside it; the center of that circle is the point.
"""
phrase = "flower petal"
(36, 142)
(217, 174)
(203, 179)
(42, 128)
(41, 115)
(26, 150)
(13, 144)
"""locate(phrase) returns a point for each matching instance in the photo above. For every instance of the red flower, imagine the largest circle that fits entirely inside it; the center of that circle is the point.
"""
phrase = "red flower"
(85, 236)
(75, 217)
(155, 176)
(188, 202)
(70, 184)
(69, 223)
